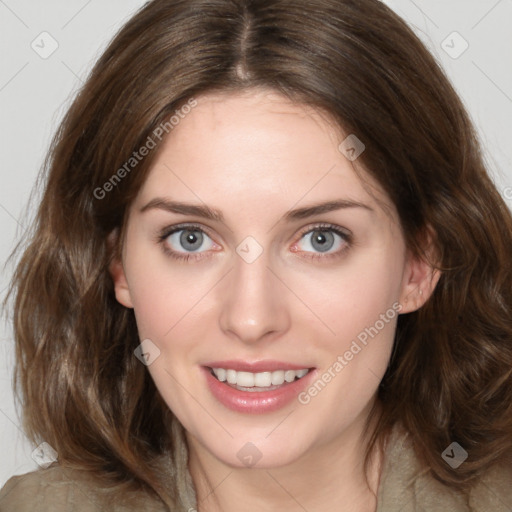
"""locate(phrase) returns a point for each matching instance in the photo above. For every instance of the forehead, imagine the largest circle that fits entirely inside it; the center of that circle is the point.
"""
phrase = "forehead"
(256, 146)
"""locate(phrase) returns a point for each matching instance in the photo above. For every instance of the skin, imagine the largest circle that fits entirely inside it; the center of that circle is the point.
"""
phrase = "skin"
(254, 156)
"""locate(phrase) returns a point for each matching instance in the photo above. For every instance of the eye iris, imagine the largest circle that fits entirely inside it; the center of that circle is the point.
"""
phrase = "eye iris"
(325, 239)
(195, 238)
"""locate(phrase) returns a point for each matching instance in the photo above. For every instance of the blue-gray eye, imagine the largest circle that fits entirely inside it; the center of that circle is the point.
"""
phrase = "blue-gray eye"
(189, 240)
(322, 240)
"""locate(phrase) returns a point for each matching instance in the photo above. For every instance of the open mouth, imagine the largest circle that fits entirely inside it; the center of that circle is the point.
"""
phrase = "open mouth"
(260, 381)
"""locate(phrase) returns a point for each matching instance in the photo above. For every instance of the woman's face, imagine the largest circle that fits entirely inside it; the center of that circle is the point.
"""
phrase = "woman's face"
(253, 247)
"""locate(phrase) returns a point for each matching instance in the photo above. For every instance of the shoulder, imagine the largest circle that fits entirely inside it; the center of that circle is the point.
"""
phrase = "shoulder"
(62, 489)
(408, 486)
(494, 490)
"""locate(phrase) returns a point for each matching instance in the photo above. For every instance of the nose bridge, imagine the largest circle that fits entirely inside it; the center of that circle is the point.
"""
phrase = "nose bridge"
(253, 303)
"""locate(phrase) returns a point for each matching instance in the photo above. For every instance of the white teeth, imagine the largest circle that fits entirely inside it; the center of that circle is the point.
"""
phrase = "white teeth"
(277, 378)
(260, 380)
(289, 376)
(230, 376)
(221, 374)
(245, 379)
(263, 380)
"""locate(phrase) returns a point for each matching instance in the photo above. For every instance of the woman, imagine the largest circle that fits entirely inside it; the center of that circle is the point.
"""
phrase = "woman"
(268, 268)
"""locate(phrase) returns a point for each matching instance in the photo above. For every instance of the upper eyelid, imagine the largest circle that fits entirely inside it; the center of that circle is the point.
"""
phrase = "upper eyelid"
(167, 231)
(326, 227)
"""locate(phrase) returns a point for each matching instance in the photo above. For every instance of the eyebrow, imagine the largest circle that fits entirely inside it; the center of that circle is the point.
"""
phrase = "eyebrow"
(160, 203)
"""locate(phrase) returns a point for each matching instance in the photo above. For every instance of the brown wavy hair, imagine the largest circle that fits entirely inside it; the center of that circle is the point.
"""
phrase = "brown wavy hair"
(80, 386)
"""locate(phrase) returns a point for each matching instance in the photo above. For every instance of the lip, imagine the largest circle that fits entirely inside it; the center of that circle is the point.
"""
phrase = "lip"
(256, 402)
(254, 366)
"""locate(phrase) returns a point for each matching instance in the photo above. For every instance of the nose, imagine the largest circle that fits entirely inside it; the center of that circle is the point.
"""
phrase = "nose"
(254, 302)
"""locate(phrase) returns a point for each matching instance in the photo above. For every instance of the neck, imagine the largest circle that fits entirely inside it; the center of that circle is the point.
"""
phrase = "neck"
(328, 477)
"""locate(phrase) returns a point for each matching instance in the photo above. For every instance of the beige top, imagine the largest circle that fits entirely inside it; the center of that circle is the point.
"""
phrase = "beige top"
(405, 486)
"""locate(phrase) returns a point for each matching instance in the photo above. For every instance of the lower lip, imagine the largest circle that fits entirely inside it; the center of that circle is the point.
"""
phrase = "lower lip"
(256, 402)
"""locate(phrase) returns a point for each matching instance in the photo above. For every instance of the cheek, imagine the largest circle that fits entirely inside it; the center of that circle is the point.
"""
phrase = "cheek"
(362, 312)
(164, 293)
(353, 296)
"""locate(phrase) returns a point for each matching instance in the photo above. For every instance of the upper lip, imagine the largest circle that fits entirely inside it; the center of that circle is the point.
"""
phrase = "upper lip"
(255, 366)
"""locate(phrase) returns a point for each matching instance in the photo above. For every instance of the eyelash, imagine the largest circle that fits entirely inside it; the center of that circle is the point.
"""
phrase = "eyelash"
(166, 233)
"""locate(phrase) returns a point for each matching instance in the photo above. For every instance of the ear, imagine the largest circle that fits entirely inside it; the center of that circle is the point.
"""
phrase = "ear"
(420, 277)
(116, 271)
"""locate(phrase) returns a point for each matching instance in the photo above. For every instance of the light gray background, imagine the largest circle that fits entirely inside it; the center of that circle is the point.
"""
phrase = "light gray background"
(35, 91)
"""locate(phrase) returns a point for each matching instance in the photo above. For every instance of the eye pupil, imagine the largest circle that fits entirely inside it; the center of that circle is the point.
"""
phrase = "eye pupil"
(325, 239)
